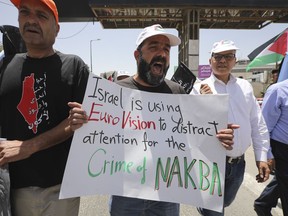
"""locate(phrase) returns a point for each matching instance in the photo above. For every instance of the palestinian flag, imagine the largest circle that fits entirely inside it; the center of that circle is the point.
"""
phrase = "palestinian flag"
(272, 51)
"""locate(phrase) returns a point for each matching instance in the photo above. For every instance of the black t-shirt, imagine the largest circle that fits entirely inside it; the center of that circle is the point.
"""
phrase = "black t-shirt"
(33, 99)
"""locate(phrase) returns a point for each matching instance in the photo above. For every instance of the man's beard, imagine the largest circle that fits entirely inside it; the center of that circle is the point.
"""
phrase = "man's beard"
(145, 73)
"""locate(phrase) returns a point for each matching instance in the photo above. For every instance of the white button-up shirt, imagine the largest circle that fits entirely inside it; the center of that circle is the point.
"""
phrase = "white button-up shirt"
(244, 111)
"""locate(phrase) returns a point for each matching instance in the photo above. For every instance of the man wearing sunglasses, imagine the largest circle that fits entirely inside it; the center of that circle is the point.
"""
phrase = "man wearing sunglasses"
(244, 111)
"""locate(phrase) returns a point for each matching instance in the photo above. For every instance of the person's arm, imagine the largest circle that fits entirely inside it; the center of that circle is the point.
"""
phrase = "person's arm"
(271, 108)
(260, 140)
(271, 113)
(14, 150)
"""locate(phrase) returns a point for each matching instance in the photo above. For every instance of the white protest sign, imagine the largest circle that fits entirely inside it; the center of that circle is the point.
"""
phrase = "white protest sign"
(148, 145)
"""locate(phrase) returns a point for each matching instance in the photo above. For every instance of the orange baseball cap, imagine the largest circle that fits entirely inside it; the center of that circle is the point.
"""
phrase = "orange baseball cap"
(49, 3)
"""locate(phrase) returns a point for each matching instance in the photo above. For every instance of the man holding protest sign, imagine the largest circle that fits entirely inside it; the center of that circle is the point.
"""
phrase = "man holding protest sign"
(153, 57)
(244, 111)
(34, 91)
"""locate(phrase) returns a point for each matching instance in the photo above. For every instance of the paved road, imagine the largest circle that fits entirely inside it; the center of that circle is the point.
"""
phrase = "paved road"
(242, 206)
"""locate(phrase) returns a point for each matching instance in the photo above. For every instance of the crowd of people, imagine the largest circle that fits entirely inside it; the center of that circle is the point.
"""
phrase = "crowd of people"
(41, 93)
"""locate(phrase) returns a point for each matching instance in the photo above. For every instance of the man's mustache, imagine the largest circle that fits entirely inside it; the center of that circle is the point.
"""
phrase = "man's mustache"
(32, 27)
(158, 59)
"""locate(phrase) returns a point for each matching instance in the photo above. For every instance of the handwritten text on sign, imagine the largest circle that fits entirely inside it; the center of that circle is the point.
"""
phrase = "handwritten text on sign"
(148, 145)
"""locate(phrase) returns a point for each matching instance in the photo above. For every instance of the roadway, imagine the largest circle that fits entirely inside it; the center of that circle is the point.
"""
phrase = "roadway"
(242, 206)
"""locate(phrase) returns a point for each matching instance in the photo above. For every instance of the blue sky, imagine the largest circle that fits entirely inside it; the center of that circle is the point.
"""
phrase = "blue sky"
(114, 50)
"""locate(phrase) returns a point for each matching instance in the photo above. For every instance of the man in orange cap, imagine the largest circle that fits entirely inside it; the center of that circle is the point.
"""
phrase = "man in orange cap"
(34, 92)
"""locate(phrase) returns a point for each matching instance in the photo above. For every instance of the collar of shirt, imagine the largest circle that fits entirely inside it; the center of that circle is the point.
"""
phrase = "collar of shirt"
(232, 79)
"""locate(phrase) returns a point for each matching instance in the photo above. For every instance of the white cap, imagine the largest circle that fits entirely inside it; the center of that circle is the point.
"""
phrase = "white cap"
(223, 45)
(157, 30)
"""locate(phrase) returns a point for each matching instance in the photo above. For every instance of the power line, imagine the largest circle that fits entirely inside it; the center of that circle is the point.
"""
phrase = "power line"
(1, 2)
(73, 35)
(61, 38)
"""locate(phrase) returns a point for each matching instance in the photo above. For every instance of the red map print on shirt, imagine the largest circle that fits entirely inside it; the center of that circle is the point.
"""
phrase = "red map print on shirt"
(28, 105)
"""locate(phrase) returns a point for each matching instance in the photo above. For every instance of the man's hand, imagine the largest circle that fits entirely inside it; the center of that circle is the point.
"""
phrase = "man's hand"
(13, 150)
(77, 116)
(205, 89)
(226, 136)
(271, 164)
(263, 170)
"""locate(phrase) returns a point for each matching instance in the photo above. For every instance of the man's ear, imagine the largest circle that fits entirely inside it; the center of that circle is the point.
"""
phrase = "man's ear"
(136, 55)
(57, 29)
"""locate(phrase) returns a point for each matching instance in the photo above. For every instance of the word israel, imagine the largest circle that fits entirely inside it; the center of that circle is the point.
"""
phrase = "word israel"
(105, 96)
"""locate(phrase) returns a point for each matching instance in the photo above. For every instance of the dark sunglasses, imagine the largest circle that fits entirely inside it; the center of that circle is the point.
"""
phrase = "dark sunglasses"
(227, 57)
